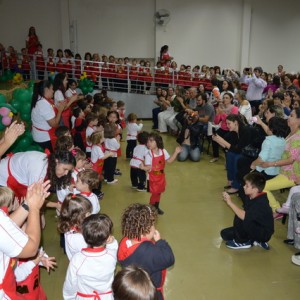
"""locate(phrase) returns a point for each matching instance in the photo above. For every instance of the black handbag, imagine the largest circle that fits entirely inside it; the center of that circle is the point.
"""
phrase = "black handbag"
(251, 151)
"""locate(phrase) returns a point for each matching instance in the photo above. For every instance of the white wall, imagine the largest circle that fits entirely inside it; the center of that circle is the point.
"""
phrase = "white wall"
(16, 16)
(214, 32)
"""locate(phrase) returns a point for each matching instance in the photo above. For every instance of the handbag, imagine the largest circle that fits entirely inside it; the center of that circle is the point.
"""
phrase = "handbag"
(250, 151)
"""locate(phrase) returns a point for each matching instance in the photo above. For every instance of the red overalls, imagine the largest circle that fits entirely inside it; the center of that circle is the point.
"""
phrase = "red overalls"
(30, 288)
(50, 131)
(95, 295)
(157, 179)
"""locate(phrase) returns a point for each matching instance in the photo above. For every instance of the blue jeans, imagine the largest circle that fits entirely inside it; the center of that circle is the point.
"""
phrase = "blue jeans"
(155, 112)
(187, 151)
(231, 166)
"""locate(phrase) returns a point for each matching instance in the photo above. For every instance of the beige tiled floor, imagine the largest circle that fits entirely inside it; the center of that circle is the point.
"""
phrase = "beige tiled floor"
(194, 215)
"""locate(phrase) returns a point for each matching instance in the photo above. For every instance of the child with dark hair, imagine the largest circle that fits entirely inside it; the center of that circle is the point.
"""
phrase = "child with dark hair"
(142, 245)
(111, 144)
(133, 283)
(132, 131)
(74, 210)
(64, 143)
(138, 176)
(79, 128)
(155, 161)
(121, 112)
(62, 131)
(87, 180)
(253, 225)
(91, 272)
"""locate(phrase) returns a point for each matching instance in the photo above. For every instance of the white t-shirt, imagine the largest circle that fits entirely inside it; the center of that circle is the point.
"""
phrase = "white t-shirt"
(112, 145)
(96, 154)
(132, 130)
(138, 157)
(27, 167)
(69, 93)
(148, 158)
(13, 240)
(40, 114)
(58, 97)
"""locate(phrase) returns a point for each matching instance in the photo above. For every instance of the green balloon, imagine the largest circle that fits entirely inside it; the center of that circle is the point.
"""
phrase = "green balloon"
(4, 78)
(23, 143)
(30, 84)
(90, 89)
(25, 117)
(25, 108)
(84, 90)
(24, 96)
(2, 127)
(9, 74)
(16, 104)
(16, 93)
(2, 98)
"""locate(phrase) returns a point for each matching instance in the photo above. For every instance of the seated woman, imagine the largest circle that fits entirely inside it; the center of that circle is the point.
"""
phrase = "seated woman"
(289, 163)
(189, 138)
(239, 138)
(272, 147)
(160, 96)
(222, 111)
(176, 106)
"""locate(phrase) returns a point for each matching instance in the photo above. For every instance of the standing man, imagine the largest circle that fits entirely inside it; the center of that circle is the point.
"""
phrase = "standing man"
(256, 86)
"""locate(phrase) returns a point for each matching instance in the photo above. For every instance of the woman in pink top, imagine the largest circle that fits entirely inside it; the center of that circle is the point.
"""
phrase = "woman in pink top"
(222, 111)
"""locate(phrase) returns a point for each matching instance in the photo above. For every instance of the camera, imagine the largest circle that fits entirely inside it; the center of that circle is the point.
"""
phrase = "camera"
(247, 69)
(214, 131)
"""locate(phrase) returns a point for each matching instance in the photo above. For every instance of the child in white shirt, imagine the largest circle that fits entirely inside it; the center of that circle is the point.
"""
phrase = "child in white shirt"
(132, 131)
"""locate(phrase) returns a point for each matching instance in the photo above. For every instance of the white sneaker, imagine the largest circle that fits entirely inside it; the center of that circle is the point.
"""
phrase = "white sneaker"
(296, 259)
(112, 182)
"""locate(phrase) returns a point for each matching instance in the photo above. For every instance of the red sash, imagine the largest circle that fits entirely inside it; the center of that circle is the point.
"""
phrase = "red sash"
(157, 179)
(94, 296)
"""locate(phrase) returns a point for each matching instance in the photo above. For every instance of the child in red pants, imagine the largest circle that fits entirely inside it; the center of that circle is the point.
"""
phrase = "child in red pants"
(155, 163)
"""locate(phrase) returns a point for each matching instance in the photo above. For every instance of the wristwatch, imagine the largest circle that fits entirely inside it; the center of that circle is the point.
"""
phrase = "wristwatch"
(25, 206)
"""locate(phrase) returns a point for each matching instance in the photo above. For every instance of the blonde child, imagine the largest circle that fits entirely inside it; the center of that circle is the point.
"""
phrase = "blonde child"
(74, 210)
(142, 245)
(132, 131)
(98, 157)
(155, 161)
(112, 144)
(88, 180)
(91, 271)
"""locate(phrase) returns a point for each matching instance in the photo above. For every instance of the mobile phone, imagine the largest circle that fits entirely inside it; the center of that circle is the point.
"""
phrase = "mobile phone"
(214, 131)
(247, 69)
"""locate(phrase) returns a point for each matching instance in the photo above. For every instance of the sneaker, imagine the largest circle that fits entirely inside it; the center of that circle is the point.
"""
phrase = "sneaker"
(264, 245)
(117, 173)
(234, 245)
(105, 180)
(112, 182)
(290, 242)
(214, 160)
(283, 210)
(296, 258)
(134, 187)
(142, 190)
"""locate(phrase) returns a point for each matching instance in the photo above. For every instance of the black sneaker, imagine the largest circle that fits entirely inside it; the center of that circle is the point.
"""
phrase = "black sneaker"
(117, 173)
(232, 244)
(263, 245)
(289, 242)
